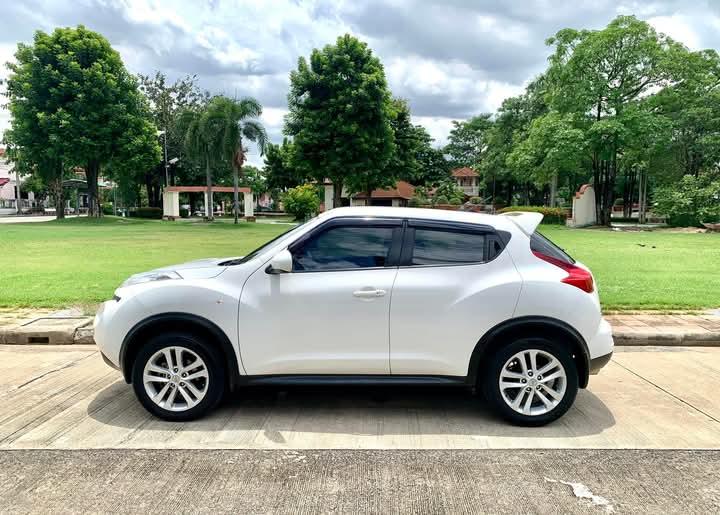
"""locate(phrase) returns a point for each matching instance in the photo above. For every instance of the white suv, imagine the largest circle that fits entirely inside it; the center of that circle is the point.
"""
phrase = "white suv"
(367, 295)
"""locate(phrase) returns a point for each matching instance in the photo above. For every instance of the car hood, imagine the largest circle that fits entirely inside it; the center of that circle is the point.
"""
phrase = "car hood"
(198, 269)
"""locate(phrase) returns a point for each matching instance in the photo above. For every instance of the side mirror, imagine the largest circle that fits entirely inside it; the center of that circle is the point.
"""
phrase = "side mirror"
(282, 263)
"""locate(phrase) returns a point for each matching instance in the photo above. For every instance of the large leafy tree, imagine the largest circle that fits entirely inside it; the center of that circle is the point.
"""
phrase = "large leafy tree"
(601, 74)
(467, 142)
(281, 173)
(340, 117)
(85, 100)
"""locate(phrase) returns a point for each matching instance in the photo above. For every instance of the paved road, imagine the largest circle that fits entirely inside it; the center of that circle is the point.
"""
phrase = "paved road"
(395, 481)
(647, 398)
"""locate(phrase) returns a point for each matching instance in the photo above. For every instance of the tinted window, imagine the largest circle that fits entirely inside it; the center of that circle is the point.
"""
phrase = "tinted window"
(539, 243)
(345, 247)
(442, 247)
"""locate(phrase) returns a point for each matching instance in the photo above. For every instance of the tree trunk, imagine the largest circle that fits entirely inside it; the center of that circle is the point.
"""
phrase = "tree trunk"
(337, 192)
(58, 196)
(209, 214)
(553, 190)
(236, 207)
(642, 195)
(91, 175)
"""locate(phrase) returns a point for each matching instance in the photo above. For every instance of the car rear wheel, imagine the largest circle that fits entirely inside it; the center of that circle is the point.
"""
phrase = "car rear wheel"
(178, 377)
(532, 381)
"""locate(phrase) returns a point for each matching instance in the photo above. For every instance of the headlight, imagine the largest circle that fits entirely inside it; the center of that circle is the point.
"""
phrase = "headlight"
(149, 277)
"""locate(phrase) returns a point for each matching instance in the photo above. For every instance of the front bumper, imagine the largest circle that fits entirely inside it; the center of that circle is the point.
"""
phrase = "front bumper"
(598, 363)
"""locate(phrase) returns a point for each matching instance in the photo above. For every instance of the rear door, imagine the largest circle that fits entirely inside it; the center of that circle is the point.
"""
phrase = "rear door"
(454, 283)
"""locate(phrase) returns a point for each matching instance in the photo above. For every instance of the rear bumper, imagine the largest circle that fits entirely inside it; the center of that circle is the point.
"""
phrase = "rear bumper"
(597, 363)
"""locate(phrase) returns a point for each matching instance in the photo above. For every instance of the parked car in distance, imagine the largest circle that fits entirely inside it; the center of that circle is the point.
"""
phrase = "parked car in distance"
(364, 295)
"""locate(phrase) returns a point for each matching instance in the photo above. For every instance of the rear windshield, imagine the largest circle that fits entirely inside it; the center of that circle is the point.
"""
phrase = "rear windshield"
(539, 243)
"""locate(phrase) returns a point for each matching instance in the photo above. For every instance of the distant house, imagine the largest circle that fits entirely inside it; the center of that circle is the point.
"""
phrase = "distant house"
(9, 190)
(396, 197)
(467, 180)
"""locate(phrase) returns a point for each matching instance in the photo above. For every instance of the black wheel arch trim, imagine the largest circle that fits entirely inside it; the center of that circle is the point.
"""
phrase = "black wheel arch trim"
(218, 334)
(517, 323)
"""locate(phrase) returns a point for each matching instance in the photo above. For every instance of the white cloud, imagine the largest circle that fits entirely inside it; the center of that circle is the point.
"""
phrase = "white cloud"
(677, 27)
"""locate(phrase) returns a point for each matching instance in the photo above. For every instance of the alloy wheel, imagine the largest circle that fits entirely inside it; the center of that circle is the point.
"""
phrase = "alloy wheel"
(533, 382)
(176, 378)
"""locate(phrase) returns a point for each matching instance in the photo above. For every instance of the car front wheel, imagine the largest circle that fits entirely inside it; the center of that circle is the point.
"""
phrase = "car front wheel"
(178, 377)
(532, 381)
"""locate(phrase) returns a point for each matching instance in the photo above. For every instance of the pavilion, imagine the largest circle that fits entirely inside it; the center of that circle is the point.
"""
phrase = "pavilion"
(171, 199)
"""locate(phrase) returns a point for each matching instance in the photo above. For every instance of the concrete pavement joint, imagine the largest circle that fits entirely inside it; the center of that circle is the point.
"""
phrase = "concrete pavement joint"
(666, 391)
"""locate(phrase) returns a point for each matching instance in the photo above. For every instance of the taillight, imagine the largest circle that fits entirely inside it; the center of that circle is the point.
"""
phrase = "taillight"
(578, 277)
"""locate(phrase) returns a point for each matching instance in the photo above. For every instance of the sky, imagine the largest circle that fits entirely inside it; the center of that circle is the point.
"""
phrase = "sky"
(450, 59)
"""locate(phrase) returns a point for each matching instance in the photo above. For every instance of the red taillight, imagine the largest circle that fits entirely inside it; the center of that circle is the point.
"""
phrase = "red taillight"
(578, 277)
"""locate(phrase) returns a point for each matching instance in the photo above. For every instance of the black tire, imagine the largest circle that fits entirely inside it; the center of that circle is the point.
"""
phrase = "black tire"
(491, 379)
(215, 380)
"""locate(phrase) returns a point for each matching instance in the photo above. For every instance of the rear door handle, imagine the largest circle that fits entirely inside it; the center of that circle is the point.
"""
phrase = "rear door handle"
(369, 294)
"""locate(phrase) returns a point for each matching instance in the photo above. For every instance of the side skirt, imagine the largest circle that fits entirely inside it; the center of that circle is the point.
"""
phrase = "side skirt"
(359, 380)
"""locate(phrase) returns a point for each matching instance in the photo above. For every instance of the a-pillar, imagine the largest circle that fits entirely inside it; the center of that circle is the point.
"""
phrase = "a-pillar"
(249, 206)
(171, 204)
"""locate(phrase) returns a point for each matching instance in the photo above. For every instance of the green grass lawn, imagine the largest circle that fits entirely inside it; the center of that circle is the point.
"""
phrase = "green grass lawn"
(81, 261)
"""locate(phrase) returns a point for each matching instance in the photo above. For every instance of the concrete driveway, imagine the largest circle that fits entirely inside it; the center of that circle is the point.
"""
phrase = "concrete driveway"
(647, 398)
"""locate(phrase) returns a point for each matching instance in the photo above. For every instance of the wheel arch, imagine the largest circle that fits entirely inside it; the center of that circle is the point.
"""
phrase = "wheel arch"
(183, 322)
(515, 328)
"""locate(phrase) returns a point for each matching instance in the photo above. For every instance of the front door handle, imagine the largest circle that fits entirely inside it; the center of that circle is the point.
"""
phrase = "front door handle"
(369, 294)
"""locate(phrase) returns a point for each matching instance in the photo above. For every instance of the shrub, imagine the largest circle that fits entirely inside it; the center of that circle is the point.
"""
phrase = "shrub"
(184, 213)
(690, 201)
(441, 199)
(551, 215)
(302, 201)
(107, 208)
(449, 192)
(476, 200)
(154, 213)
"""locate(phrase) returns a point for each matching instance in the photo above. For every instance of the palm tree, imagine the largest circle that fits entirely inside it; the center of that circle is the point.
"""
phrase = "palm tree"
(239, 121)
(203, 138)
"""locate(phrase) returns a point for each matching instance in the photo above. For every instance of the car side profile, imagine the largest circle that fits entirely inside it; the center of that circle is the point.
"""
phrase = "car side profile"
(367, 295)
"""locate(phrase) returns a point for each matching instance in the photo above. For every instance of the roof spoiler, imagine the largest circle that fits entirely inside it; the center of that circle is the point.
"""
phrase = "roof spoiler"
(527, 222)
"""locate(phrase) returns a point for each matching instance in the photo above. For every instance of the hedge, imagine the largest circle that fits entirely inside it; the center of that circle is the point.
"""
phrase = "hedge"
(155, 213)
(551, 215)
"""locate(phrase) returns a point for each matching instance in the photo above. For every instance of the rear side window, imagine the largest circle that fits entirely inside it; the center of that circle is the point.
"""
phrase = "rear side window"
(443, 247)
(539, 243)
(345, 247)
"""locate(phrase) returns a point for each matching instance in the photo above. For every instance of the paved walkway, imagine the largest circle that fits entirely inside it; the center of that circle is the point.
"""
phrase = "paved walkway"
(65, 397)
(29, 219)
(650, 329)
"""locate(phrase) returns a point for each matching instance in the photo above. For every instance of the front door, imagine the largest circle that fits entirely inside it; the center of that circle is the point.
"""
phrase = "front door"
(330, 315)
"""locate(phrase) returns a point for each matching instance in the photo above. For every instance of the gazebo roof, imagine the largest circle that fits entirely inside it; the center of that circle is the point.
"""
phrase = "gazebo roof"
(202, 189)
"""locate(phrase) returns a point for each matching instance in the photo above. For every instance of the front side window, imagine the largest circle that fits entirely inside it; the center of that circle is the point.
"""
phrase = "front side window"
(444, 247)
(345, 247)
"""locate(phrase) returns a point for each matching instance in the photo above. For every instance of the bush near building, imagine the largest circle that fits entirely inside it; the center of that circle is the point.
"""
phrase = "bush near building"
(551, 215)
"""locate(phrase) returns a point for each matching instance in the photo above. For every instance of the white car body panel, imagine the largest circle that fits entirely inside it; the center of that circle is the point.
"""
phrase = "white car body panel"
(427, 322)
(438, 314)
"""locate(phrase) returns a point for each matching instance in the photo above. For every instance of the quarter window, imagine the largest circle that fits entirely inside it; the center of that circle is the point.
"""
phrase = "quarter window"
(443, 247)
(345, 247)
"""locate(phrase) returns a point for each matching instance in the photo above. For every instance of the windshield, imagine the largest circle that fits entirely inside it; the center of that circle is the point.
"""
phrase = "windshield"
(262, 247)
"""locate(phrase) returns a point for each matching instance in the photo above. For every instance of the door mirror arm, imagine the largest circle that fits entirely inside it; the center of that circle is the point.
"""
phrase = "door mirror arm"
(282, 263)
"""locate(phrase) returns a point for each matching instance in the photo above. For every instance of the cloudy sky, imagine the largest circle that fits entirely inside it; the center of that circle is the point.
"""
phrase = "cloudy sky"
(450, 59)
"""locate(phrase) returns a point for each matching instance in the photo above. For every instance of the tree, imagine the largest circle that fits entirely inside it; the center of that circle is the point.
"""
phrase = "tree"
(339, 117)
(85, 99)
(302, 201)
(280, 172)
(467, 142)
(600, 74)
(237, 121)
(167, 102)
